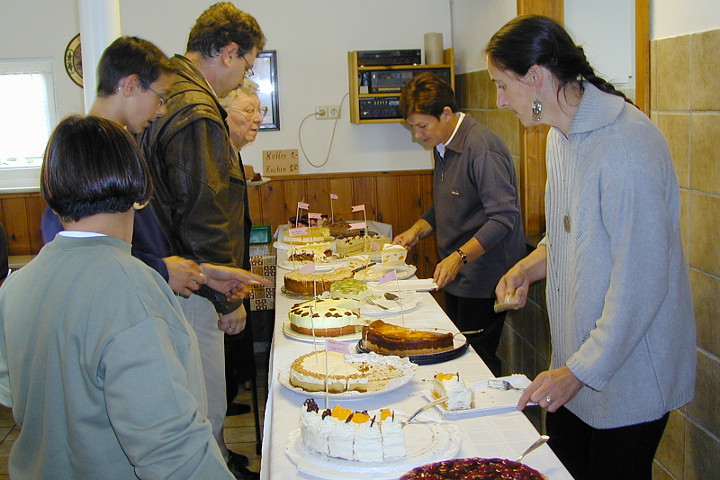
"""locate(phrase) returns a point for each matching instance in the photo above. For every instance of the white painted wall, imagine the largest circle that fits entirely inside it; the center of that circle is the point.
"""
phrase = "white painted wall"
(671, 18)
(312, 38)
(473, 23)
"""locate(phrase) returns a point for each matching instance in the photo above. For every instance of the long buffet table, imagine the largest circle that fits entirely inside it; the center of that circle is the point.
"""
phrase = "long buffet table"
(504, 434)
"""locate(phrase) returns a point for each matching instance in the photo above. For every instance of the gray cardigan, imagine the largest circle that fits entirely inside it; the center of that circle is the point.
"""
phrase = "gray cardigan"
(618, 294)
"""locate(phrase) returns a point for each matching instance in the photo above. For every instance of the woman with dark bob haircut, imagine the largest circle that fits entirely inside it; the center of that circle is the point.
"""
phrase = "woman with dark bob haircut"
(618, 295)
(91, 166)
(96, 337)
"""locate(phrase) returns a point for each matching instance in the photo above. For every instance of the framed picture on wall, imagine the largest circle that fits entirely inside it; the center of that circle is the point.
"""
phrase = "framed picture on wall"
(265, 68)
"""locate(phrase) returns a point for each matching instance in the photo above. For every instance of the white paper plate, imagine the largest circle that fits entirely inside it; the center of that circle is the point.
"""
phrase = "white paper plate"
(376, 271)
(489, 400)
(425, 443)
(419, 285)
(408, 300)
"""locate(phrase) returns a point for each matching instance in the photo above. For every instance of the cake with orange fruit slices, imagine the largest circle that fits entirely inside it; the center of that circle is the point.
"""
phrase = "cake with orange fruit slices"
(458, 391)
(351, 435)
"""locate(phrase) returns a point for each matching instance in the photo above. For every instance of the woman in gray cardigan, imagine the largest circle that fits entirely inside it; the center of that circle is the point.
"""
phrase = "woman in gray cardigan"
(621, 318)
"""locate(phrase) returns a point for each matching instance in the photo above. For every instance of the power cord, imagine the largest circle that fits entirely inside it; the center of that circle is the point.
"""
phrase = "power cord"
(332, 135)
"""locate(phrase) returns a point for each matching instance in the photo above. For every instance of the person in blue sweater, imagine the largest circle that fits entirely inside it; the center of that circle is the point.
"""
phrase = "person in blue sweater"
(618, 294)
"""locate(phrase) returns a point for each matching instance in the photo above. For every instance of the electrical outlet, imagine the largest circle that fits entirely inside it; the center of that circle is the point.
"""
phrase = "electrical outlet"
(321, 112)
(333, 111)
(327, 112)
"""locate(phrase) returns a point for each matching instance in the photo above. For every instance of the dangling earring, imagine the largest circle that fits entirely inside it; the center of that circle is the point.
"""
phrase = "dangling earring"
(537, 109)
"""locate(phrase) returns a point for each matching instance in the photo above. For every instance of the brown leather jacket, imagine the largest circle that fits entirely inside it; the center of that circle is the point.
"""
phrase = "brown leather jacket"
(199, 185)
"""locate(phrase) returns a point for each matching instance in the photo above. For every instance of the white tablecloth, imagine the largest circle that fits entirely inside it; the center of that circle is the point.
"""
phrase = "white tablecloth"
(503, 435)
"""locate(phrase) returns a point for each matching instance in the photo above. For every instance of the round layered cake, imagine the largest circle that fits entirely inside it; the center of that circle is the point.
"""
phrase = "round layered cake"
(476, 468)
(386, 338)
(346, 373)
(350, 288)
(326, 317)
(302, 283)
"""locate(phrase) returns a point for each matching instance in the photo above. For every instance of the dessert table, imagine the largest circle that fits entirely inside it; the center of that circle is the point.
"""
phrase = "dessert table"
(501, 434)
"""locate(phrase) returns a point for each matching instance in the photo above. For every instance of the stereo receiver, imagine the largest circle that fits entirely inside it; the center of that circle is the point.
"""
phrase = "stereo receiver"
(379, 107)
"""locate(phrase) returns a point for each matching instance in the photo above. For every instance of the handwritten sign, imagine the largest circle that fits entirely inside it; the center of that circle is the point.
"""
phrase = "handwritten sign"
(280, 162)
(358, 208)
(336, 346)
(296, 232)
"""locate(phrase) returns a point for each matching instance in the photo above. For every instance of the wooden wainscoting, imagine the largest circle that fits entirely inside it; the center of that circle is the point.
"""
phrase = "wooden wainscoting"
(20, 215)
(397, 198)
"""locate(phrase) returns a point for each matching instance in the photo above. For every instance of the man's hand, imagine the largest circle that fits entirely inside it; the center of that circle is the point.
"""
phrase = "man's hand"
(551, 389)
(234, 322)
(184, 276)
(235, 283)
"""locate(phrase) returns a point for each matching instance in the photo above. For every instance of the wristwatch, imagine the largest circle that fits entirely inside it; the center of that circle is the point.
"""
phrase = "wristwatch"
(463, 257)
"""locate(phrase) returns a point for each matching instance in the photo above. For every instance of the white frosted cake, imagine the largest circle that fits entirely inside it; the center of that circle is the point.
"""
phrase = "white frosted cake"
(393, 254)
(342, 433)
(459, 391)
(325, 317)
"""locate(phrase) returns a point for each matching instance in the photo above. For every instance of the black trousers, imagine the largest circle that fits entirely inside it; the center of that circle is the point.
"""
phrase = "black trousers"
(624, 453)
(473, 314)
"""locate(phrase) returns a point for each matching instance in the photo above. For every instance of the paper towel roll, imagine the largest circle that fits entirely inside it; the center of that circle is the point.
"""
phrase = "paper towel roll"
(434, 54)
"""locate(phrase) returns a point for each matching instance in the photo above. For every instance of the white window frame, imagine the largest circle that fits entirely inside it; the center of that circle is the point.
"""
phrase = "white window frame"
(23, 179)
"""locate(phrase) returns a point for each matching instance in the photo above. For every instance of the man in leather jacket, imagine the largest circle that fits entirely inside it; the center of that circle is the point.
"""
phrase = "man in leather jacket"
(199, 187)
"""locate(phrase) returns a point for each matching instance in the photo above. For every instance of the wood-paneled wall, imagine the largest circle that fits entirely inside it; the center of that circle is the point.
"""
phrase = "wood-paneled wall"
(397, 198)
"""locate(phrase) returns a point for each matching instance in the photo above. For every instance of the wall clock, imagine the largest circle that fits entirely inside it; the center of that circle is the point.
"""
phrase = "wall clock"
(73, 61)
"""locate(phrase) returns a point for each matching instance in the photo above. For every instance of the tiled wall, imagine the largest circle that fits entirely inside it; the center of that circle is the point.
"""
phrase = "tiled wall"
(685, 88)
(686, 107)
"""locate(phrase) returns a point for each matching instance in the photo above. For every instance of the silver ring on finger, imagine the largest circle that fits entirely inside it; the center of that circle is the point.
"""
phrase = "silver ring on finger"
(548, 399)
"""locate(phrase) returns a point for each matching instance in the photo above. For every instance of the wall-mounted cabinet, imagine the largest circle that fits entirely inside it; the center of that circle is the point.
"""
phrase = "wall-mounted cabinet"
(375, 90)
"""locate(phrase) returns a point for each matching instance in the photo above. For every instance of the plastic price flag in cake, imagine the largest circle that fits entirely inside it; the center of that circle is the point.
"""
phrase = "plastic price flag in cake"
(336, 346)
(306, 269)
(303, 205)
(294, 232)
(357, 225)
(388, 277)
(358, 208)
(333, 196)
(316, 216)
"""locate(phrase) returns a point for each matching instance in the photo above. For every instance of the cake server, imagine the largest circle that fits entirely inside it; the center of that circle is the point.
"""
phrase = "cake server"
(422, 409)
(538, 442)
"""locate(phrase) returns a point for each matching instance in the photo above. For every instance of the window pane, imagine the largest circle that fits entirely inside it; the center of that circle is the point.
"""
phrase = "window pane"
(25, 119)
